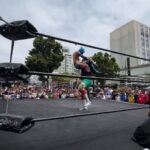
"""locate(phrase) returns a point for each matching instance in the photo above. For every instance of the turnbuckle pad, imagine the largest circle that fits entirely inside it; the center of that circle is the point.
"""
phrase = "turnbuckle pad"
(15, 123)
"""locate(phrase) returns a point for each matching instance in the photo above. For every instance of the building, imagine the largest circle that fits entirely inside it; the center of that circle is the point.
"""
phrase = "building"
(132, 38)
(67, 64)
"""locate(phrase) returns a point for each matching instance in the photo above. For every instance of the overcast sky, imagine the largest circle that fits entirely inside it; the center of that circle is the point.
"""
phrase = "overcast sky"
(86, 21)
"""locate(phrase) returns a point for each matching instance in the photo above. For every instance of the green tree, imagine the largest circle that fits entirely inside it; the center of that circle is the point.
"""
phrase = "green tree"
(107, 64)
(45, 56)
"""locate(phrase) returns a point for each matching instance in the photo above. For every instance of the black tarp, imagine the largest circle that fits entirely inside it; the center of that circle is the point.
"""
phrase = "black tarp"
(13, 68)
(17, 30)
(13, 71)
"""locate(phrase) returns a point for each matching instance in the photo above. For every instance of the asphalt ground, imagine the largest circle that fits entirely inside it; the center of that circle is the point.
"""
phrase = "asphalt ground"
(112, 131)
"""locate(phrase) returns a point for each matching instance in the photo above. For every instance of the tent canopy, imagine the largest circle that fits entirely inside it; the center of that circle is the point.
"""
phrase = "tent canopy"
(18, 30)
(13, 71)
(7, 69)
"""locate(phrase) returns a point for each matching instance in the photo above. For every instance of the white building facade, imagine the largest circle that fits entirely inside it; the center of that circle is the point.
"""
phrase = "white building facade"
(67, 64)
(132, 38)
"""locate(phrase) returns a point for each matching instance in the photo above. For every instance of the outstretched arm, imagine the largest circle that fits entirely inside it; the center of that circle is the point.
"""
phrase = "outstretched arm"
(85, 58)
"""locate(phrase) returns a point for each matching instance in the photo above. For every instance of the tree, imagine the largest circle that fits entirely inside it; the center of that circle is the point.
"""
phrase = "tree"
(45, 56)
(107, 64)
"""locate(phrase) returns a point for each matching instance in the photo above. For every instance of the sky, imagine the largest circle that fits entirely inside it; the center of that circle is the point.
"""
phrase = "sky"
(85, 21)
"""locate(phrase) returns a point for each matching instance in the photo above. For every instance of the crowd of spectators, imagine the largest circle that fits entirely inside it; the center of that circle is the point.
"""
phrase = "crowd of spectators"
(35, 92)
(122, 94)
(125, 94)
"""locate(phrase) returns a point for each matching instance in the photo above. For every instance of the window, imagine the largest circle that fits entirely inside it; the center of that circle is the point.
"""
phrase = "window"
(148, 54)
(142, 42)
(143, 53)
(147, 43)
(142, 30)
(146, 32)
(146, 29)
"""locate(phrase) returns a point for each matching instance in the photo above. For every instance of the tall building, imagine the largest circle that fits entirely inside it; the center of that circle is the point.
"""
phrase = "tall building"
(132, 38)
(66, 64)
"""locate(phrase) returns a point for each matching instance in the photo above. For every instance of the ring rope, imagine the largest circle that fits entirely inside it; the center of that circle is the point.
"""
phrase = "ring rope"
(82, 77)
(86, 114)
(86, 45)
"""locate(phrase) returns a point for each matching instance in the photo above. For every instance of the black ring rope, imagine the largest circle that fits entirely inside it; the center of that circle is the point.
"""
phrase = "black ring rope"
(86, 114)
(87, 45)
(135, 76)
(82, 77)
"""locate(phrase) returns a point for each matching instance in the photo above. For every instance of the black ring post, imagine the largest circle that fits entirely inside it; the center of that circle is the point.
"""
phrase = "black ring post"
(11, 53)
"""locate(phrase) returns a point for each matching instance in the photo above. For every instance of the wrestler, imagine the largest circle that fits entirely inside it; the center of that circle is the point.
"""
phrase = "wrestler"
(85, 83)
